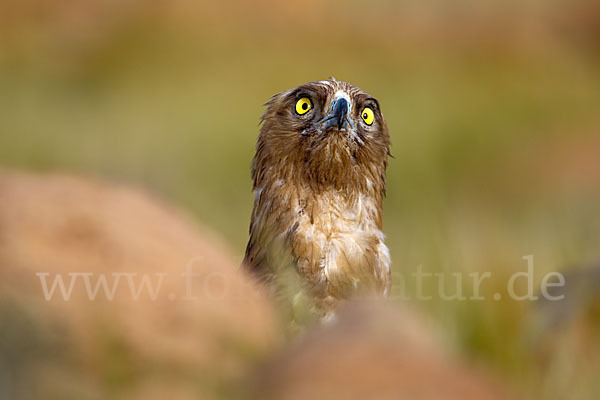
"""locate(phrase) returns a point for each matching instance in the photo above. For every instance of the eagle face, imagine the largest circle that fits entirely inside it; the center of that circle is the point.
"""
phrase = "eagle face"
(333, 126)
(327, 107)
(319, 183)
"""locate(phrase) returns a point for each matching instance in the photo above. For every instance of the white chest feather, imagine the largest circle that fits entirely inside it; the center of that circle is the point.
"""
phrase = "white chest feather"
(339, 245)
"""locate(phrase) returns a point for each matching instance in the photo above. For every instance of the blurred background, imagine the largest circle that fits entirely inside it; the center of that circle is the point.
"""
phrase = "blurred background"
(493, 109)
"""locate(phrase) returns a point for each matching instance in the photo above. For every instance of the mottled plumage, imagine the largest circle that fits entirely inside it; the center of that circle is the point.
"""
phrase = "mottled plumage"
(319, 183)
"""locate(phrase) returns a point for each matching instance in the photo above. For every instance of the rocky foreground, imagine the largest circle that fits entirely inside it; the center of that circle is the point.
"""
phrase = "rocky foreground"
(107, 292)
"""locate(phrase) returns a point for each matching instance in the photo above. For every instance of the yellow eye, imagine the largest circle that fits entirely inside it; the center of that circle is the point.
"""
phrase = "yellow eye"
(303, 106)
(368, 116)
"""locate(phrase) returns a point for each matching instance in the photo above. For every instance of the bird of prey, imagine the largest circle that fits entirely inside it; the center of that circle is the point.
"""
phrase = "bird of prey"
(319, 182)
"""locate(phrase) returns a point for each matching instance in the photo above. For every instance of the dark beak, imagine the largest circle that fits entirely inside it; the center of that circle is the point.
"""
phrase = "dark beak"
(338, 115)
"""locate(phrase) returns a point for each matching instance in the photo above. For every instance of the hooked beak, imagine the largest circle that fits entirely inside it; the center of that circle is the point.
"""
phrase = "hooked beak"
(338, 115)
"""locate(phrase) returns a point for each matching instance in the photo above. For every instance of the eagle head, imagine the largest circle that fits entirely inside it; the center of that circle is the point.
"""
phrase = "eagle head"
(331, 132)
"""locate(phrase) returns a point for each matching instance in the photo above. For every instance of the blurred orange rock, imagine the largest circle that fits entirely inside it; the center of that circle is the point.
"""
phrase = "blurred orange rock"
(190, 336)
(178, 337)
(373, 352)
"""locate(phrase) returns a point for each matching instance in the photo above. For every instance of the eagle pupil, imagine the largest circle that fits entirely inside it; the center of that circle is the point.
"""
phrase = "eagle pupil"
(304, 106)
(365, 116)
